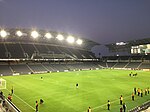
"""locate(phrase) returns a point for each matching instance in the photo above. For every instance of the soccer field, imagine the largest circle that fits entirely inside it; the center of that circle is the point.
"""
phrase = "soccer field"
(59, 92)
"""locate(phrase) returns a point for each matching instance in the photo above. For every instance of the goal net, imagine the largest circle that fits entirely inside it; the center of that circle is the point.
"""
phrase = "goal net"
(2, 83)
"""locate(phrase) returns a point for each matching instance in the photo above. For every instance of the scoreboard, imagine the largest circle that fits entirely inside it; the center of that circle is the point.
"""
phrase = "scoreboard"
(140, 49)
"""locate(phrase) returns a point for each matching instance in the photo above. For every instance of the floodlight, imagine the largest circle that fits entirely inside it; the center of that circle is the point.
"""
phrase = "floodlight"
(70, 39)
(3, 33)
(48, 35)
(60, 37)
(34, 34)
(121, 43)
(19, 33)
(79, 41)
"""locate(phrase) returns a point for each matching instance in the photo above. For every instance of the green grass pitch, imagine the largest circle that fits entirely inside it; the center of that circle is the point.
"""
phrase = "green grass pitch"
(59, 93)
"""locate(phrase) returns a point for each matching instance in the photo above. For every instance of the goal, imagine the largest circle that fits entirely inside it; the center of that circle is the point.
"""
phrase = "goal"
(2, 83)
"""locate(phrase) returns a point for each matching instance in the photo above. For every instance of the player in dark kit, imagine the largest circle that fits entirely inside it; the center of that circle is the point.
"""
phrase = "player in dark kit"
(135, 90)
(130, 75)
(36, 106)
(12, 90)
(124, 107)
(141, 93)
(41, 101)
(148, 90)
(77, 85)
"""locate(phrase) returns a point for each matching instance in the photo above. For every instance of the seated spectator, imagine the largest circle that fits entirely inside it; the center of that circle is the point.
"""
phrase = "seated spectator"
(3, 103)
(1, 95)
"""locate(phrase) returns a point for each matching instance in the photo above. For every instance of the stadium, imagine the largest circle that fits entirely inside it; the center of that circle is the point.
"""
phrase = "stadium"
(49, 65)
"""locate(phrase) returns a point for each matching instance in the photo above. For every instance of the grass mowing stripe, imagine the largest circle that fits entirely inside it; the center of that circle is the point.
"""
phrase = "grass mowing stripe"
(23, 101)
(60, 94)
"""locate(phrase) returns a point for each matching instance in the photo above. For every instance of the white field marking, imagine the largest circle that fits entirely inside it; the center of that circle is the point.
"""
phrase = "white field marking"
(23, 101)
(106, 103)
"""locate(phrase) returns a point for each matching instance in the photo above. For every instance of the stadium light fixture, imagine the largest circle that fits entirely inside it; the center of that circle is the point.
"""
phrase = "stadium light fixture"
(70, 39)
(48, 35)
(117, 55)
(3, 33)
(121, 43)
(79, 41)
(19, 33)
(60, 37)
(34, 34)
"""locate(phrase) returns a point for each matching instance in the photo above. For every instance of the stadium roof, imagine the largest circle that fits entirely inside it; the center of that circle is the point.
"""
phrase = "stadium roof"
(126, 46)
(45, 36)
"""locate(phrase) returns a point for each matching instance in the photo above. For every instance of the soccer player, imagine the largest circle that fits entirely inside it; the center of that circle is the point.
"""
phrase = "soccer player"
(121, 100)
(148, 90)
(135, 90)
(124, 107)
(131, 73)
(36, 106)
(132, 96)
(139, 91)
(89, 109)
(77, 85)
(12, 90)
(108, 105)
(41, 101)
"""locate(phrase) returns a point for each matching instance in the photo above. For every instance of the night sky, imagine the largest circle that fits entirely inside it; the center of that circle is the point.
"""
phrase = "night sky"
(103, 21)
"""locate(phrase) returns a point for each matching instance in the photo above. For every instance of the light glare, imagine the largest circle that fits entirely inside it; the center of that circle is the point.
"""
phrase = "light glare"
(48, 35)
(121, 43)
(70, 39)
(34, 34)
(3, 33)
(60, 37)
(79, 41)
(19, 33)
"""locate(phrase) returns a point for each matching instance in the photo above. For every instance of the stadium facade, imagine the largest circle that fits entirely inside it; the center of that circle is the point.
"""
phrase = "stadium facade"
(32, 51)
(28, 51)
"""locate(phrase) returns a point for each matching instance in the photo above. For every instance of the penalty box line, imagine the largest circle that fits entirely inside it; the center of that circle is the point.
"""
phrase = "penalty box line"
(23, 101)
